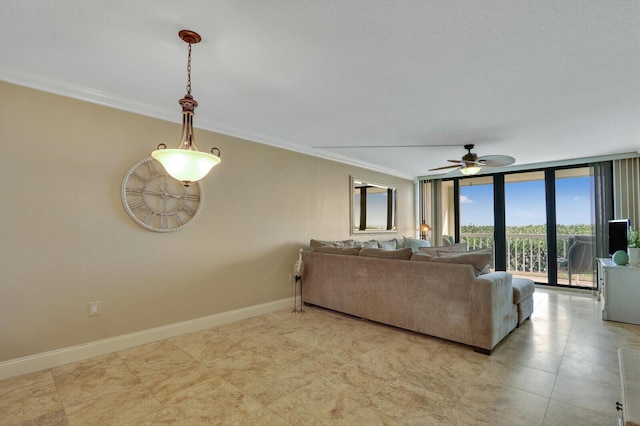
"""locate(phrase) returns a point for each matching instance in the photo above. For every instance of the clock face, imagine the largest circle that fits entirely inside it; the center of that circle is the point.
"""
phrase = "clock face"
(155, 200)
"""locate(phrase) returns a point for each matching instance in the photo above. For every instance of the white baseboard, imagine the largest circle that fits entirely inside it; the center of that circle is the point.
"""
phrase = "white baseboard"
(45, 360)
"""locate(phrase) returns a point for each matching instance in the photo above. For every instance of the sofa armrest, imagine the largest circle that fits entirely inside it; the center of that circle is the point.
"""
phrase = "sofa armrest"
(494, 314)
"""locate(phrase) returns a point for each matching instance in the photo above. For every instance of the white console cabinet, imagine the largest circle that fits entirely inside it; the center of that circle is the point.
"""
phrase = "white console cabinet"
(620, 289)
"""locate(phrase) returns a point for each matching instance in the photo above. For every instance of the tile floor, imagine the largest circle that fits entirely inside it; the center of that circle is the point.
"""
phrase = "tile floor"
(324, 368)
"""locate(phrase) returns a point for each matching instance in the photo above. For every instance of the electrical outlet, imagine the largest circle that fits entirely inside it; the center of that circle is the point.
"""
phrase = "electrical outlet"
(94, 309)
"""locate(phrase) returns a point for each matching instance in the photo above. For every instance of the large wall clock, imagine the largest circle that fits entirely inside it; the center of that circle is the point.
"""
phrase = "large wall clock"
(155, 200)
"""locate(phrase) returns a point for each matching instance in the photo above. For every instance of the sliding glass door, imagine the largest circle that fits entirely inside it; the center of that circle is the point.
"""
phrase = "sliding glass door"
(525, 210)
(539, 223)
(476, 212)
(575, 229)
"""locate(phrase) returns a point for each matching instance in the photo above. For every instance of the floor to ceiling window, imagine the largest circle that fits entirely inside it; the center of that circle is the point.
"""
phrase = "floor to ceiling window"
(540, 223)
(576, 246)
(525, 210)
(476, 212)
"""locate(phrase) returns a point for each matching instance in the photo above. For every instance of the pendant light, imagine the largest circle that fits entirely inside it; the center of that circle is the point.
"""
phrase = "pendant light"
(186, 163)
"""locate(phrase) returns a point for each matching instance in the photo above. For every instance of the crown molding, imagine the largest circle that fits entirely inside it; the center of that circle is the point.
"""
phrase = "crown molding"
(87, 94)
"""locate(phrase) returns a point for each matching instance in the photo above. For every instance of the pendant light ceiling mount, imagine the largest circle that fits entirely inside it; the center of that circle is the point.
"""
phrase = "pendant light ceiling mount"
(186, 163)
(189, 37)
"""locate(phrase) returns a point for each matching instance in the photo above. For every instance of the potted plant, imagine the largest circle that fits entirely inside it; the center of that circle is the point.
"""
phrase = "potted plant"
(633, 246)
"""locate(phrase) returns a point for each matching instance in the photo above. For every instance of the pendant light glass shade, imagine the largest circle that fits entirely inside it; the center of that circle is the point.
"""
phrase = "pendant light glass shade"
(186, 163)
(469, 171)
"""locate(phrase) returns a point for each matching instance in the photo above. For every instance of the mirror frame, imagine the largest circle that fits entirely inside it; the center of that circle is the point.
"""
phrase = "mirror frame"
(354, 223)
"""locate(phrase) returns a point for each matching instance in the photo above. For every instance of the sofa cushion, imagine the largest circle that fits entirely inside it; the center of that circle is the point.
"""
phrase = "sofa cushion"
(350, 251)
(487, 250)
(404, 253)
(522, 288)
(417, 256)
(388, 245)
(414, 243)
(434, 250)
(479, 259)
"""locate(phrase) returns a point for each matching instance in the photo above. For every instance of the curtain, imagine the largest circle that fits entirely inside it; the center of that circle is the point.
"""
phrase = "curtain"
(431, 209)
(626, 186)
(601, 191)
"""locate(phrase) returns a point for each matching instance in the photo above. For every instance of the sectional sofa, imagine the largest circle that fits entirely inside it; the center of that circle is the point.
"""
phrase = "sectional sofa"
(438, 293)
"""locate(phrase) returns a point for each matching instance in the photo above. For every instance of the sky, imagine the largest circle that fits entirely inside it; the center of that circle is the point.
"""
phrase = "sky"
(525, 203)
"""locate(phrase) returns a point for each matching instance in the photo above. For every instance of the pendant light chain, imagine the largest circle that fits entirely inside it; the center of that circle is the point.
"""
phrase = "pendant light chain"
(189, 71)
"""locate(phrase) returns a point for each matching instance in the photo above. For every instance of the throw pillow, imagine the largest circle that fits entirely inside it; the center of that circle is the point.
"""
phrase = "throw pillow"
(388, 245)
(400, 243)
(319, 243)
(415, 244)
(435, 250)
(367, 244)
(404, 254)
(448, 240)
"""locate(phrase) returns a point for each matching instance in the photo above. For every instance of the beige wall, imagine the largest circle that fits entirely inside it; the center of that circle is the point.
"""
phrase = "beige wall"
(67, 240)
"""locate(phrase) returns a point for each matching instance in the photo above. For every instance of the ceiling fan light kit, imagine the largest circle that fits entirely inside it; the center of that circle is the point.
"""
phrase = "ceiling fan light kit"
(186, 163)
(470, 171)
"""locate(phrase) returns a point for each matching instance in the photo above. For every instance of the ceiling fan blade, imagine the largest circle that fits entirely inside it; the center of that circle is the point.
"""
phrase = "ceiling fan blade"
(381, 146)
(445, 167)
(496, 160)
(456, 161)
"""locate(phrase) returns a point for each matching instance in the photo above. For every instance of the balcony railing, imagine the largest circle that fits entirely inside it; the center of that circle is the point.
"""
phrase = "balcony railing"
(527, 256)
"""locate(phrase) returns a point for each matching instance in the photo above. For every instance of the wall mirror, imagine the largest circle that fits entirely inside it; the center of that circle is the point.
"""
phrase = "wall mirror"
(373, 207)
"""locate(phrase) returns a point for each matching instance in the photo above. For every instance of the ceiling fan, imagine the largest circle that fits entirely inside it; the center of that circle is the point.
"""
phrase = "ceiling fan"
(471, 164)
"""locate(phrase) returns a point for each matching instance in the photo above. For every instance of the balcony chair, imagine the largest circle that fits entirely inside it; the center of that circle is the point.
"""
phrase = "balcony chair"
(581, 256)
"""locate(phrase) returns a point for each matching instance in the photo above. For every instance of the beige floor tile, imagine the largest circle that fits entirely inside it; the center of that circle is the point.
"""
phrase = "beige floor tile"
(367, 416)
(163, 418)
(520, 406)
(59, 418)
(238, 365)
(318, 403)
(206, 345)
(28, 397)
(529, 357)
(591, 371)
(273, 346)
(605, 356)
(277, 378)
(520, 377)
(148, 362)
(414, 405)
(126, 406)
(263, 417)
(539, 335)
(562, 414)
(170, 389)
(222, 405)
(585, 395)
(93, 378)
(357, 382)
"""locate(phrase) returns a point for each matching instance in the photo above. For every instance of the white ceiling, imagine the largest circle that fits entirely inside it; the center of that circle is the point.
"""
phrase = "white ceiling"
(542, 80)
